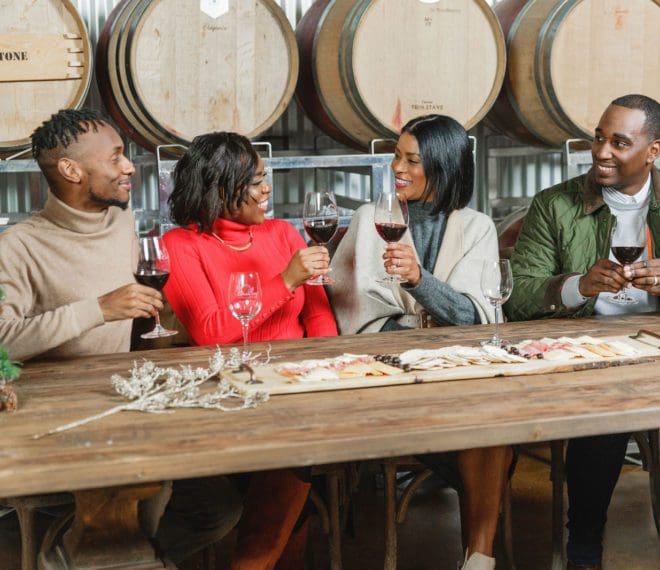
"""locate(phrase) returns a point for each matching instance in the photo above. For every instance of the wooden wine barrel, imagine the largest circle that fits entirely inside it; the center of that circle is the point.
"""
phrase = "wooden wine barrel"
(368, 66)
(568, 59)
(45, 66)
(169, 70)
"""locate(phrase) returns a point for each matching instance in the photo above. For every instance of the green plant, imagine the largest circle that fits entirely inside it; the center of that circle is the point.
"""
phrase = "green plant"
(9, 369)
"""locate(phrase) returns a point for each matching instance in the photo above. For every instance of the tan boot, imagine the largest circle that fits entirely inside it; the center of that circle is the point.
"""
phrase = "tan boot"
(478, 561)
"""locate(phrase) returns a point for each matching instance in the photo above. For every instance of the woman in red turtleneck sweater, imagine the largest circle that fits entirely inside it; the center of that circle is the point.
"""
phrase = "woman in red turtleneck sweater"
(219, 199)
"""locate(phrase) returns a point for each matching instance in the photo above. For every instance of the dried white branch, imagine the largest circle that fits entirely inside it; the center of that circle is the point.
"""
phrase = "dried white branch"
(155, 389)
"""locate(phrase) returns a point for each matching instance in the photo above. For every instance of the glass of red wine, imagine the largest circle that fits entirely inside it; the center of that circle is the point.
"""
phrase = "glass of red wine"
(628, 243)
(391, 221)
(245, 301)
(320, 218)
(153, 270)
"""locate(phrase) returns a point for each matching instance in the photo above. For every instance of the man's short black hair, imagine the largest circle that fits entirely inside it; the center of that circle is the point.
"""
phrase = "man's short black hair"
(650, 107)
(64, 128)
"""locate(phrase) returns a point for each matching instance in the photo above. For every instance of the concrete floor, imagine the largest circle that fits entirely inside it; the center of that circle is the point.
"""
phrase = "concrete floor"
(429, 539)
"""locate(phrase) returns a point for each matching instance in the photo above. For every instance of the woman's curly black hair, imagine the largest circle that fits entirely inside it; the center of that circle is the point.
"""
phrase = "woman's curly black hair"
(213, 176)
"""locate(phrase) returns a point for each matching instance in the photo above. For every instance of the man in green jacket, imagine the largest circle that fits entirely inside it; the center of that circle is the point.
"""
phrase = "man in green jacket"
(562, 266)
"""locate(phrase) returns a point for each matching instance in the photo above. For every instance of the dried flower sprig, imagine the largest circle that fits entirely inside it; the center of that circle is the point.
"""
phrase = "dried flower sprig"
(156, 389)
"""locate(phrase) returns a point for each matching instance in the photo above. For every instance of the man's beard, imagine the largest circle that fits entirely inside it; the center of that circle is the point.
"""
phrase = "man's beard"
(107, 201)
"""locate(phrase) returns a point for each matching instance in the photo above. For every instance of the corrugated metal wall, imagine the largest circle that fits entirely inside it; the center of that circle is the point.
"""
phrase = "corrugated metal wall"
(504, 176)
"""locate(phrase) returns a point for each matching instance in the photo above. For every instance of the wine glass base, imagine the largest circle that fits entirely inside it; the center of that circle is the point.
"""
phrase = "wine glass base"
(391, 280)
(320, 280)
(623, 300)
(493, 342)
(158, 332)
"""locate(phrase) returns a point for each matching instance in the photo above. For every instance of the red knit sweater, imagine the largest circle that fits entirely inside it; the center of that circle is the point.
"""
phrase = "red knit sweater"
(199, 279)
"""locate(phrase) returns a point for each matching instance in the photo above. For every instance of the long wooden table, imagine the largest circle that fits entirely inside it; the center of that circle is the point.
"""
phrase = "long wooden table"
(133, 448)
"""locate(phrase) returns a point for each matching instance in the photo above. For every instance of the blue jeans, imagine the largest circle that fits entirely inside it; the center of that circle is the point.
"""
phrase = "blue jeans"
(593, 465)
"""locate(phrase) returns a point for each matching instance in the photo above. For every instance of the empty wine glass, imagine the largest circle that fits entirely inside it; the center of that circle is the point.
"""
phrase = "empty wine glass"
(244, 301)
(391, 221)
(496, 285)
(320, 218)
(628, 242)
(153, 270)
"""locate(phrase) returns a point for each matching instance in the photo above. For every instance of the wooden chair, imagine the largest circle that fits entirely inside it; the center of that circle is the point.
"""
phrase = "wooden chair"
(396, 509)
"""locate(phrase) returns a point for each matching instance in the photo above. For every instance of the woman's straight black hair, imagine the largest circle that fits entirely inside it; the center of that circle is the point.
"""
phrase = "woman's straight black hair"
(446, 156)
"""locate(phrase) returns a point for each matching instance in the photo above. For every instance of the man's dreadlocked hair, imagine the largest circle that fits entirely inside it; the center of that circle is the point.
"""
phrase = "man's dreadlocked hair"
(64, 128)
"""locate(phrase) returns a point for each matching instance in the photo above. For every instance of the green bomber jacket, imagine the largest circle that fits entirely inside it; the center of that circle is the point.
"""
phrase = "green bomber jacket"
(566, 230)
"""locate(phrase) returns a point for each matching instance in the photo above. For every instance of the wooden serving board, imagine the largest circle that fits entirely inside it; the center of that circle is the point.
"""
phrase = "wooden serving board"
(275, 383)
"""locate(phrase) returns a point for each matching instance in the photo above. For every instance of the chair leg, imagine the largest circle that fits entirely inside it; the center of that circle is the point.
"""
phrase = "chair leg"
(406, 497)
(389, 471)
(557, 476)
(506, 530)
(332, 482)
(654, 475)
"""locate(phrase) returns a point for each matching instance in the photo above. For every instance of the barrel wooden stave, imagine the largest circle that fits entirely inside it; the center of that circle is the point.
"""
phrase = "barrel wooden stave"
(181, 73)
(25, 104)
(568, 60)
(394, 63)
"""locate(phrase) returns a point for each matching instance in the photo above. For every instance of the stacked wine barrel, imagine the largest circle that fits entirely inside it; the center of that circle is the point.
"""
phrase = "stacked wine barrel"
(168, 70)
(368, 66)
(45, 66)
(568, 59)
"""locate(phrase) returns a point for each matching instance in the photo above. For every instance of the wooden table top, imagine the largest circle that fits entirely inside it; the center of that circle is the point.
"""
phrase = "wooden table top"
(314, 428)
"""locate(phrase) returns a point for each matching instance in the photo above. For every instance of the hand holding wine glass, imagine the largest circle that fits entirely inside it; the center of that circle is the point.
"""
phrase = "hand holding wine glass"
(496, 286)
(628, 242)
(391, 221)
(244, 301)
(153, 270)
(320, 218)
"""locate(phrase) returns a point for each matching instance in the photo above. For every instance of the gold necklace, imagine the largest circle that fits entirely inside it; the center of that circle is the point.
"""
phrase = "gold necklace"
(245, 247)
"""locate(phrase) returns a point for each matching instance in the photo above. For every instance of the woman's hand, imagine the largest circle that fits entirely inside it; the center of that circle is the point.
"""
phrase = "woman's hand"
(644, 275)
(400, 259)
(304, 264)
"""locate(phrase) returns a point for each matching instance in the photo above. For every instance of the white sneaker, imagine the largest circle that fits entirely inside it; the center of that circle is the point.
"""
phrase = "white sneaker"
(478, 561)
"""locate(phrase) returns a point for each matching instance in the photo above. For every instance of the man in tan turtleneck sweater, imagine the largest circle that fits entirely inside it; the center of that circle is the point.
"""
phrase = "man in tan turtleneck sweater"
(67, 271)
(70, 291)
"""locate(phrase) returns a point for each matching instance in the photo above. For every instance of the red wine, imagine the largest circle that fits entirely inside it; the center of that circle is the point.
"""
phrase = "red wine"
(154, 279)
(391, 232)
(626, 255)
(321, 231)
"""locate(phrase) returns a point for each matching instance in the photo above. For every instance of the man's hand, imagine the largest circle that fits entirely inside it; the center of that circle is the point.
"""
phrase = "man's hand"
(605, 276)
(644, 275)
(130, 302)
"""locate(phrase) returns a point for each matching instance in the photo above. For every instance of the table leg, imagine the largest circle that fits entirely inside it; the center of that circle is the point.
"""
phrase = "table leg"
(332, 483)
(557, 476)
(105, 533)
(389, 471)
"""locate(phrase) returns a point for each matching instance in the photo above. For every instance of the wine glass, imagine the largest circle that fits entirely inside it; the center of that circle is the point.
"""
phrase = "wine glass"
(320, 218)
(628, 242)
(391, 221)
(153, 270)
(496, 285)
(244, 301)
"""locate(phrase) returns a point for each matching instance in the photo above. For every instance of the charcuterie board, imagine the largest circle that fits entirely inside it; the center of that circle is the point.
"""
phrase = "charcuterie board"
(349, 371)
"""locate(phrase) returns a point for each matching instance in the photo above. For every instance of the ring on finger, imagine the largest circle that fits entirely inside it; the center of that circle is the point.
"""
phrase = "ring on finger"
(655, 280)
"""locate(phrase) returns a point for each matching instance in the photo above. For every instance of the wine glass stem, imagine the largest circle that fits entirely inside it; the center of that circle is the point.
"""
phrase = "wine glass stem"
(157, 319)
(496, 336)
(244, 326)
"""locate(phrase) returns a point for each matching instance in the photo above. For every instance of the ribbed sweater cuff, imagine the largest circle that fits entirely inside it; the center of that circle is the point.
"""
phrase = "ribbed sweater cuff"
(88, 314)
